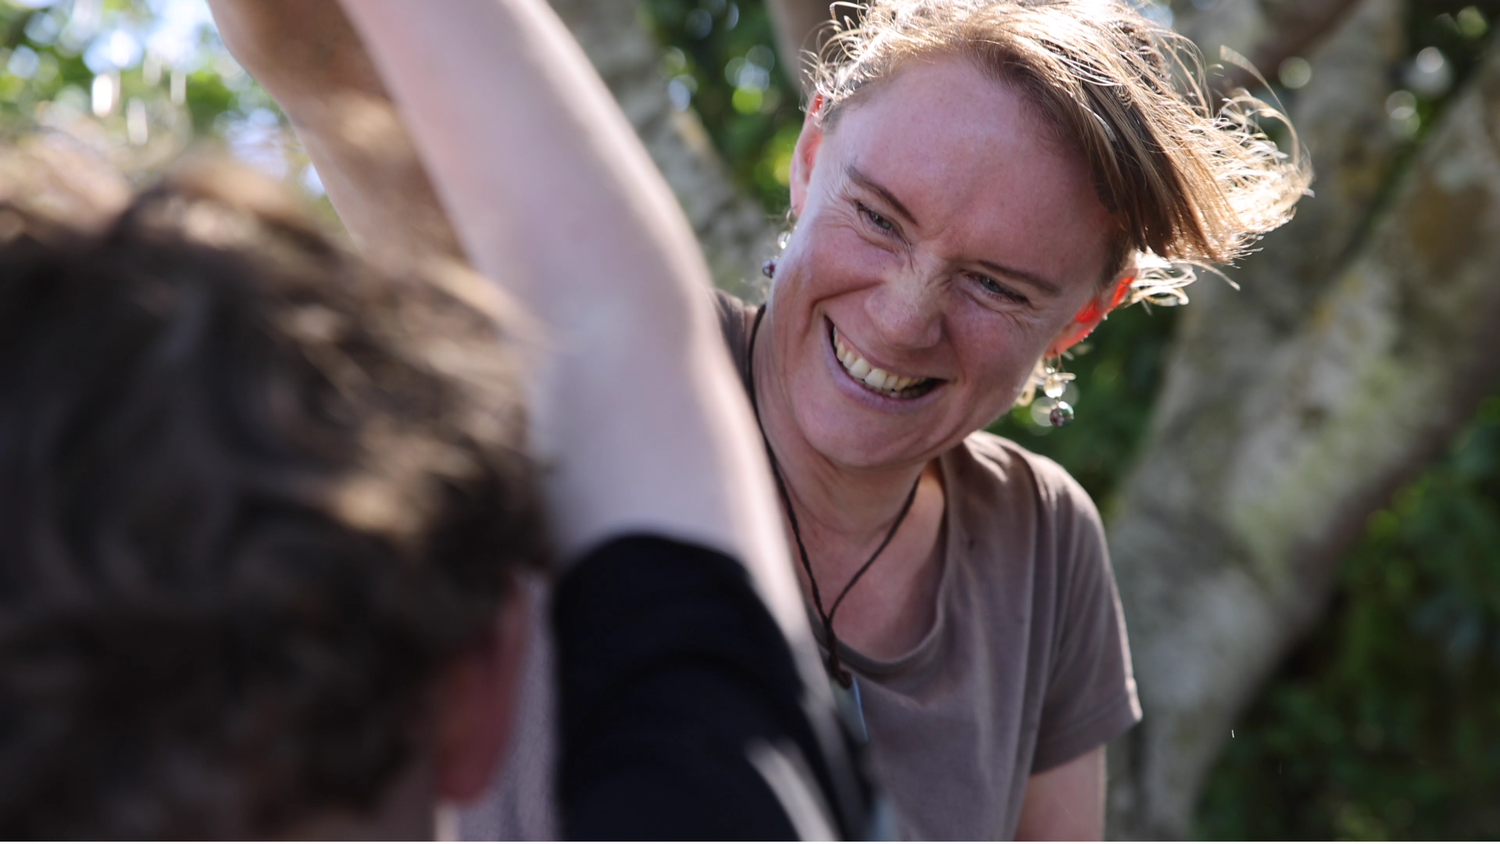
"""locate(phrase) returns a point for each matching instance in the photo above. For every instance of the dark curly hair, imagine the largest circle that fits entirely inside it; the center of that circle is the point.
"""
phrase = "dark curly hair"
(253, 496)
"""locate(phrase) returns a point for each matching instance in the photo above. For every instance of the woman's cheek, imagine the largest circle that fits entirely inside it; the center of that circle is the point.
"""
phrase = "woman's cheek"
(994, 350)
(998, 383)
(844, 251)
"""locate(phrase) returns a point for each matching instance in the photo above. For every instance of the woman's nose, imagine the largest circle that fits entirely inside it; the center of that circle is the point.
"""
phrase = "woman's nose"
(906, 309)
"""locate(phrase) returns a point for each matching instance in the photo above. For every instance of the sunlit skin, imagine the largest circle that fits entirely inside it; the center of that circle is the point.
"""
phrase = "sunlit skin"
(910, 212)
(946, 234)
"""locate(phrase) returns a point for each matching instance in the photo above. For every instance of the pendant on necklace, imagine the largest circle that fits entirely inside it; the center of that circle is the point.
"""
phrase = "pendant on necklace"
(851, 707)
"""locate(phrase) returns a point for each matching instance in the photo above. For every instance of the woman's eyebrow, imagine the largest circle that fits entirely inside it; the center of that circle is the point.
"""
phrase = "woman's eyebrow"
(861, 178)
(1050, 288)
(864, 180)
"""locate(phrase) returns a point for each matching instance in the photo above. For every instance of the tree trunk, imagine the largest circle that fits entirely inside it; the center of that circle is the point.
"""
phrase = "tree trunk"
(1293, 409)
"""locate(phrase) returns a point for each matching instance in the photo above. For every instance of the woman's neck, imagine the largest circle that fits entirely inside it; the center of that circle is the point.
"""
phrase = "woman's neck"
(843, 510)
(843, 514)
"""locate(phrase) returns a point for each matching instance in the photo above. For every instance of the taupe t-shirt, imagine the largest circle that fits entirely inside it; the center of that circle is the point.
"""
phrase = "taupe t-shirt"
(1026, 666)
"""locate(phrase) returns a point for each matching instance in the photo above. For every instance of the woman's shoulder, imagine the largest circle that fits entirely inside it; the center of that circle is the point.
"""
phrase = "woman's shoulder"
(988, 463)
(735, 321)
(730, 308)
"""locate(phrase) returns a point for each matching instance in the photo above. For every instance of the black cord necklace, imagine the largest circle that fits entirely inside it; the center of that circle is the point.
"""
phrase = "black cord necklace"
(835, 667)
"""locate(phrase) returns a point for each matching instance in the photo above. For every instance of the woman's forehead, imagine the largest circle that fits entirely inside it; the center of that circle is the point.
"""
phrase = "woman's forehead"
(969, 156)
(946, 113)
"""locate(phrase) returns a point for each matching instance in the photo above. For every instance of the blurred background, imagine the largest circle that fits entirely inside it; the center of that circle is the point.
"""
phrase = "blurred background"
(1301, 477)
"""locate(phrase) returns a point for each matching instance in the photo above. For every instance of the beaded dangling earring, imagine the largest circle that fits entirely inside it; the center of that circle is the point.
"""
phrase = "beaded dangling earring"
(768, 269)
(1054, 382)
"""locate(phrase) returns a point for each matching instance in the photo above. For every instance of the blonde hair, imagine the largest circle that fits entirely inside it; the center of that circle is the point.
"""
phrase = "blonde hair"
(1188, 184)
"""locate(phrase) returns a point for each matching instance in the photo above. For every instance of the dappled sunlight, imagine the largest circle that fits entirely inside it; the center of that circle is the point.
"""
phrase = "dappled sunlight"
(142, 81)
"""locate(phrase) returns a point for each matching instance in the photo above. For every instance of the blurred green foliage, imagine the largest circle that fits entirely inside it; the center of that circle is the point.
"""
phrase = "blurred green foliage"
(720, 59)
(139, 79)
(1386, 722)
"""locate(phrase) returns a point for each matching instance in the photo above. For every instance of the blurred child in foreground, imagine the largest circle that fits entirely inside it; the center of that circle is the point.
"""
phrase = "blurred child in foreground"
(263, 510)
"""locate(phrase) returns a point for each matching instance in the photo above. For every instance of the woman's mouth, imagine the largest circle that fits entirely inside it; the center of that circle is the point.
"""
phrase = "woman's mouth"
(875, 379)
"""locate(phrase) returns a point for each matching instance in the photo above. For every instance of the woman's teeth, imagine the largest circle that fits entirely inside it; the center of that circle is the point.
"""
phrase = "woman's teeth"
(873, 377)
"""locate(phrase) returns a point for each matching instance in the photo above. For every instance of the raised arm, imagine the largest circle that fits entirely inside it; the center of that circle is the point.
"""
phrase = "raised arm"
(572, 201)
(635, 405)
(638, 410)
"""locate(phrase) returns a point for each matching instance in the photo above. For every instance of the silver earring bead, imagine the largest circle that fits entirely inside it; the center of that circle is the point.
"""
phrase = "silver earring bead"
(768, 269)
(1061, 415)
(1054, 382)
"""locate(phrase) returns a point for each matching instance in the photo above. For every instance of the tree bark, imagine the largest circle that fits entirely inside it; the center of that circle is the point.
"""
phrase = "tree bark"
(1293, 409)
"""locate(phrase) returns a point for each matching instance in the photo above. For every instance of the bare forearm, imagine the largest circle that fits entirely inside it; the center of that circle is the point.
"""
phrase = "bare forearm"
(307, 55)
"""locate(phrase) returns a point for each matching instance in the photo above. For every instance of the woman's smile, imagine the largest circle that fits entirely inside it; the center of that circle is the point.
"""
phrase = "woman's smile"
(944, 239)
(880, 380)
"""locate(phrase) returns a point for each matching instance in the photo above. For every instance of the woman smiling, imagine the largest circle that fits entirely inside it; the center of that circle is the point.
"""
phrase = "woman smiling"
(977, 184)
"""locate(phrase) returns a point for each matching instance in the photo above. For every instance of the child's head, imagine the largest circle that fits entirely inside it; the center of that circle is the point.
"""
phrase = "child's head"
(260, 508)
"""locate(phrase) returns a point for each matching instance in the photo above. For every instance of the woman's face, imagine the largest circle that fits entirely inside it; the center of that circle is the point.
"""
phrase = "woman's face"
(944, 238)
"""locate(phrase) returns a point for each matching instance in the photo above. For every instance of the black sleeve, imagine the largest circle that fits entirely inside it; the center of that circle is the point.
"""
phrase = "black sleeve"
(683, 715)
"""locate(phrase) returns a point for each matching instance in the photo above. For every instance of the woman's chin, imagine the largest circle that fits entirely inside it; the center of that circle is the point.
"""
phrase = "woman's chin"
(851, 443)
(860, 428)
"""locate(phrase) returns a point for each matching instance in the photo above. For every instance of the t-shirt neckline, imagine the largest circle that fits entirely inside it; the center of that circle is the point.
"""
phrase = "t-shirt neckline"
(927, 646)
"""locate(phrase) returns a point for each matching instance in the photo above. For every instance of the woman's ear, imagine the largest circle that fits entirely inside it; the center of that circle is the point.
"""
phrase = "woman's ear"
(1093, 312)
(806, 153)
(475, 704)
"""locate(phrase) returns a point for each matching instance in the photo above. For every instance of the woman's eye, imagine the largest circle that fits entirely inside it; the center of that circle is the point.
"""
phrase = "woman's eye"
(998, 290)
(876, 220)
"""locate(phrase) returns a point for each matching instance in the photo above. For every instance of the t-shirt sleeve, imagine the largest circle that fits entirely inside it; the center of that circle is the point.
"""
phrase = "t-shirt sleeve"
(735, 318)
(1091, 696)
(683, 715)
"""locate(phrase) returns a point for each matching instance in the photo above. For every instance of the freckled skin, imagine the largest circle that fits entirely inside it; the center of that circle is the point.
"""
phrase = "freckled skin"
(985, 181)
